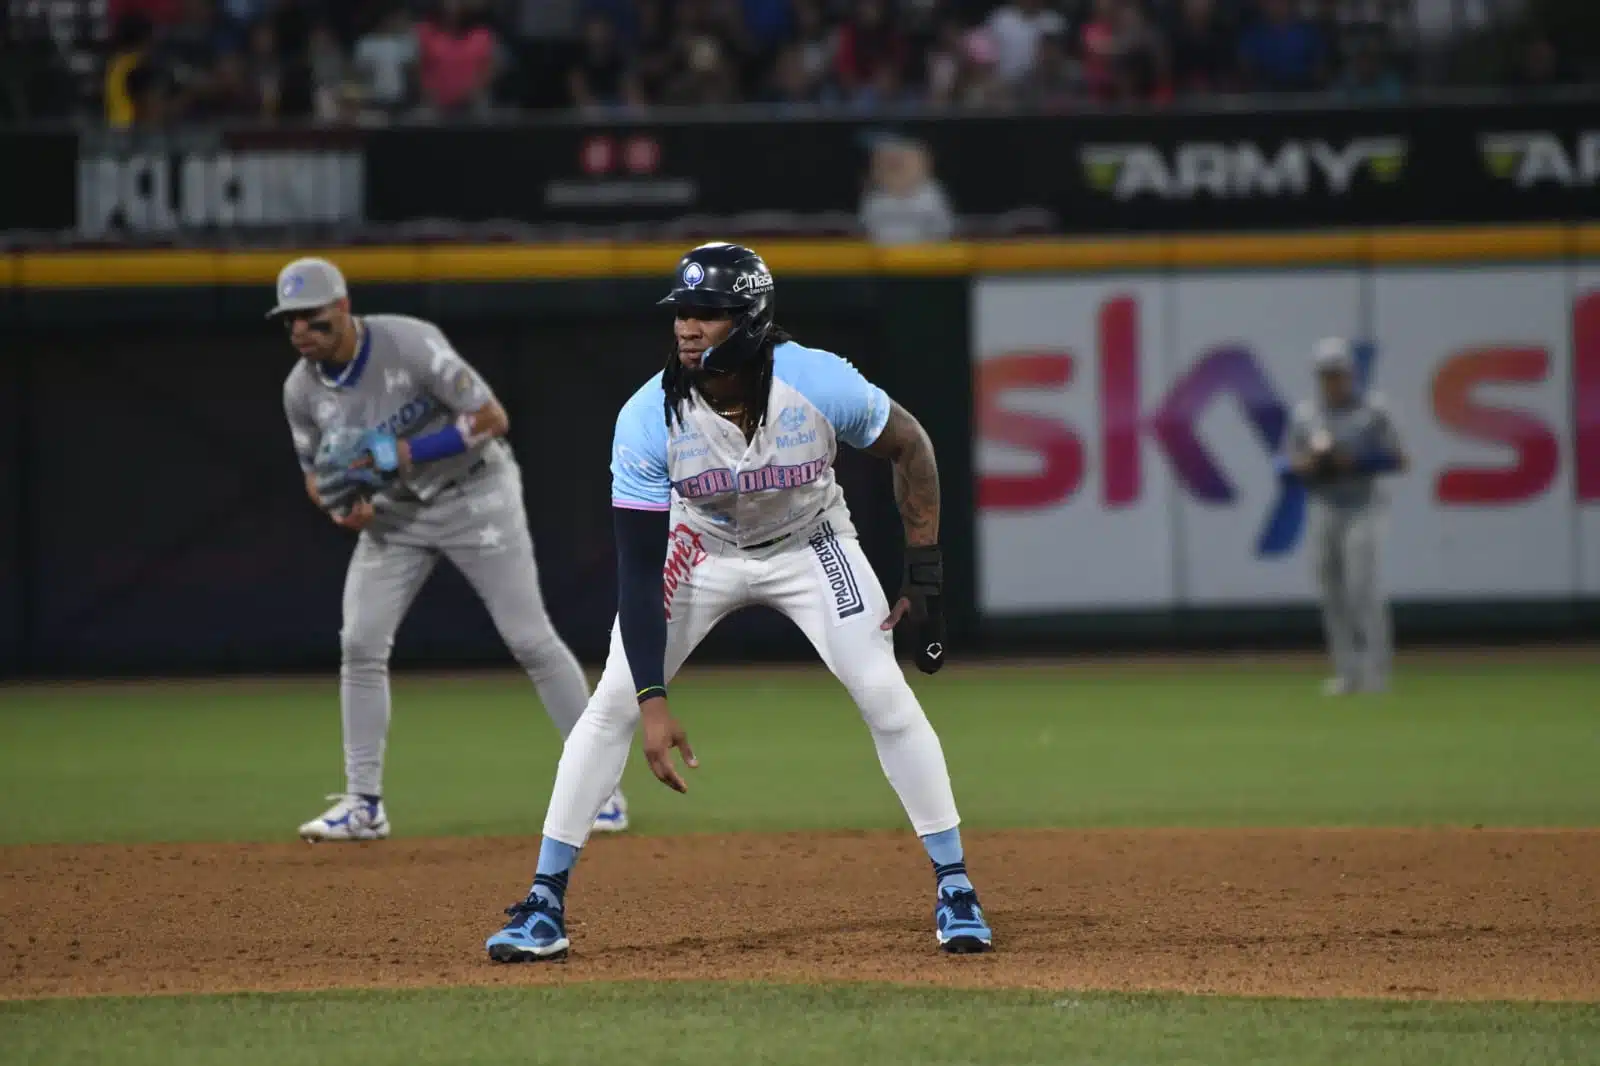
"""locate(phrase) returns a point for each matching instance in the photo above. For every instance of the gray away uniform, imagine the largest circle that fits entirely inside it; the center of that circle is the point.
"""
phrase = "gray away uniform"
(467, 508)
(1347, 517)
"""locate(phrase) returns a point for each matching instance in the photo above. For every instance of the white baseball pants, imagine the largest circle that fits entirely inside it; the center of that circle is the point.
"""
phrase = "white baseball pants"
(822, 581)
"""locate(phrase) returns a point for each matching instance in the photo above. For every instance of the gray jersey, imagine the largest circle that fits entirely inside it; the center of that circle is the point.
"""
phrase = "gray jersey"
(405, 378)
(1357, 430)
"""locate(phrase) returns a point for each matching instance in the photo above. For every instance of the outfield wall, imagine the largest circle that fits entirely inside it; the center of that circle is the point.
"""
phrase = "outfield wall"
(160, 523)
(1128, 423)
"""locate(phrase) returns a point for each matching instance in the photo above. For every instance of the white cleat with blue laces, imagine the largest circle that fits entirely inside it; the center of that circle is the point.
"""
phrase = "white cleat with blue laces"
(613, 817)
(350, 818)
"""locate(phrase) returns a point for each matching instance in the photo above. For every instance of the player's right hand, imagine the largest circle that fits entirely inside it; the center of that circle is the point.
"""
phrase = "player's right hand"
(662, 733)
(361, 512)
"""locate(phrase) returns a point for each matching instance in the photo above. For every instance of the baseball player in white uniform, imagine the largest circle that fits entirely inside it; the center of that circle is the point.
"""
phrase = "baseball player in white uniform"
(724, 496)
(401, 439)
(1340, 445)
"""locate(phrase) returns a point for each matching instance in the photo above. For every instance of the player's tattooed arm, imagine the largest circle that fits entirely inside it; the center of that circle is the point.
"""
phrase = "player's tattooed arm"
(916, 474)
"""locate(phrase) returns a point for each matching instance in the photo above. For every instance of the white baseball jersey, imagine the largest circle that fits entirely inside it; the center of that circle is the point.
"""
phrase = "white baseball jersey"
(750, 493)
(728, 499)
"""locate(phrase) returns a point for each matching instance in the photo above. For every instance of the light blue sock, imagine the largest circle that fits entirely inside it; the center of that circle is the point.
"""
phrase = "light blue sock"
(949, 865)
(550, 878)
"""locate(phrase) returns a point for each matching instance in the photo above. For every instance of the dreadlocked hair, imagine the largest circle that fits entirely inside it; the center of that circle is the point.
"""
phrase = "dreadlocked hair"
(677, 384)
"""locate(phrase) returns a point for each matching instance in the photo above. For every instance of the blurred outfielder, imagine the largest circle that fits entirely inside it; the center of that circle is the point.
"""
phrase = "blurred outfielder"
(401, 439)
(722, 482)
(1340, 444)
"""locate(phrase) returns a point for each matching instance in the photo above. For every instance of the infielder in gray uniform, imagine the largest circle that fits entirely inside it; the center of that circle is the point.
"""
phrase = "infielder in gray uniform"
(1340, 444)
(400, 439)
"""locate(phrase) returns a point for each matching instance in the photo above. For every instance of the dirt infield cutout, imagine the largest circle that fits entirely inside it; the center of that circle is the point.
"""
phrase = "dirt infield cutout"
(1446, 914)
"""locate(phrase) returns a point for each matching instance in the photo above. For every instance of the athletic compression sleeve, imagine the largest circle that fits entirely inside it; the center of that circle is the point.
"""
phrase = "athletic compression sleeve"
(641, 554)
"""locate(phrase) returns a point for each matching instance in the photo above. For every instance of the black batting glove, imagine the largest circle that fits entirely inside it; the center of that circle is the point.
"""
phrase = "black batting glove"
(924, 590)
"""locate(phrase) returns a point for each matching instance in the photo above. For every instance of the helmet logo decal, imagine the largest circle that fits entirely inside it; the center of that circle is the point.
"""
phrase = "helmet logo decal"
(292, 284)
(693, 274)
(753, 283)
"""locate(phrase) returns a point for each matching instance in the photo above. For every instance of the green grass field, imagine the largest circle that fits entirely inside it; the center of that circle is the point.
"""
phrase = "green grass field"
(1220, 744)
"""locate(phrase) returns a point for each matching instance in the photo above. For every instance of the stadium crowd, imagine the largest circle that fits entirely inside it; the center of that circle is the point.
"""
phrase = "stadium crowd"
(150, 62)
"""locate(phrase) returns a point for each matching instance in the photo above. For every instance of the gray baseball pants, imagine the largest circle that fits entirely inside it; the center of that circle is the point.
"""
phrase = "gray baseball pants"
(479, 525)
(1345, 550)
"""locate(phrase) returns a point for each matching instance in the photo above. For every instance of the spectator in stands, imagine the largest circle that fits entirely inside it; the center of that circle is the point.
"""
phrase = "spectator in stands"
(331, 75)
(818, 43)
(903, 202)
(158, 13)
(942, 64)
(147, 89)
(1331, 19)
(655, 51)
(239, 15)
(386, 58)
(1124, 59)
(263, 68)
(188, 52)
(1204, 56)
(599, 78)
(871, 58)
(1282, 52)
(1016, 28)
(1055, 81)
(789, 85)
(456, 62)
(980, 82)
(769, 23)
(233, 92)
(130, 46)
(35, 83)
(1367, 76)
(291, 23)
(704, 73)
(1540, 65)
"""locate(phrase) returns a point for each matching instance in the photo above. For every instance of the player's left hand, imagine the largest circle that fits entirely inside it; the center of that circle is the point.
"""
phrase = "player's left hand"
(922, 601)
(358, 517)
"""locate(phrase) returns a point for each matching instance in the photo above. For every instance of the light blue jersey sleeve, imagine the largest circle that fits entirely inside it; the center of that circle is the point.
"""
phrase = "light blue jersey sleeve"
(855, 407)
(639, 479)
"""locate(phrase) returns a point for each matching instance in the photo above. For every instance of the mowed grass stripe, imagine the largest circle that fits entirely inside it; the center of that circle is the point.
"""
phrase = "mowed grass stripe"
(1217, 744)
(737, 1025)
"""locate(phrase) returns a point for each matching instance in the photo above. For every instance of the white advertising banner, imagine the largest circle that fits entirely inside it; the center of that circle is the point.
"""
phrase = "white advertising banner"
(1586, 418)
(1072, 498)
(1127, 427)
(1476, 365)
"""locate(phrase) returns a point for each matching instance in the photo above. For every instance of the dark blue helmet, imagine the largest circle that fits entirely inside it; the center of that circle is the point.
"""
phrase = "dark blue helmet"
(727, 279)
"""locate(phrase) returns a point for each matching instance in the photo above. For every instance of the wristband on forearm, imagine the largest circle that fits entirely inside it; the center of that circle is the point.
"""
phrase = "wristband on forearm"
(443, 443)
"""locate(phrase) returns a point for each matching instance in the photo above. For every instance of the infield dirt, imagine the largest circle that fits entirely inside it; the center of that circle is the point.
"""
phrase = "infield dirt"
(1437, 914)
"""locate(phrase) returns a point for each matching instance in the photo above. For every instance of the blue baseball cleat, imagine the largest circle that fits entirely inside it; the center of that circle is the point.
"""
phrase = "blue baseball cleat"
(537, 932)
(958, 921)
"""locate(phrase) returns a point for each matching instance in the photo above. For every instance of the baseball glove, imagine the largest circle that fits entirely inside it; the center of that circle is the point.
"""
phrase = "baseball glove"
(340, 482)
(1323, 464)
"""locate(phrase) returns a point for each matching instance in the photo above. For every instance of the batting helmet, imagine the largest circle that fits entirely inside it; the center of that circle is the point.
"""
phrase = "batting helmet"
(726, 278)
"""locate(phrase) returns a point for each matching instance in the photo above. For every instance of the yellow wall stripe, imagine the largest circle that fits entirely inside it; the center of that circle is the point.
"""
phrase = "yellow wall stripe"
(815, 258)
